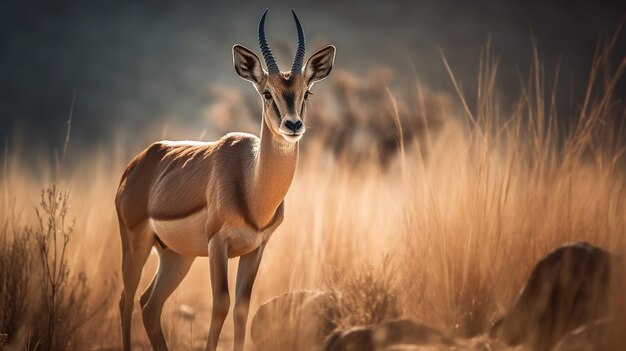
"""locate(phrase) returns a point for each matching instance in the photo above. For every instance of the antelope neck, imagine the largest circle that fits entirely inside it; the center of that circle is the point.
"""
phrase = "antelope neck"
(273, 170)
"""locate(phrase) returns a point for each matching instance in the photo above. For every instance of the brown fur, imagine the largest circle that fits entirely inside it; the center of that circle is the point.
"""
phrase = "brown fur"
(220, 199)
(226, 178)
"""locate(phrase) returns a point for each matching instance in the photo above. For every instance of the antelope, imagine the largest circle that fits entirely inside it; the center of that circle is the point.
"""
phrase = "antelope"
(221, 199)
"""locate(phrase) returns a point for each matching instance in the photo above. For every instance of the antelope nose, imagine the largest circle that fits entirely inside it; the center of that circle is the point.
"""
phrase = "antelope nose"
(293, 126)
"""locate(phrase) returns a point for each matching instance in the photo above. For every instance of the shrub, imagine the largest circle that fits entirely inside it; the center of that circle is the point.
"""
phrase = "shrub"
(365, 297)
(63, 296)
(15, 265)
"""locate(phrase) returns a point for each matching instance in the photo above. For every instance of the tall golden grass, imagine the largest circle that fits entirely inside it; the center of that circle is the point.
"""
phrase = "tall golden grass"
(448, 229)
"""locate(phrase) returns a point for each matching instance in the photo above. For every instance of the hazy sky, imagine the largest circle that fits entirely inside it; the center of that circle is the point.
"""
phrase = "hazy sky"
(134, 63)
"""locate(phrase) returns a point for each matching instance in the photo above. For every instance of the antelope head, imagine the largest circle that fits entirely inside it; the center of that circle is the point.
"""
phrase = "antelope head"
(283, 94)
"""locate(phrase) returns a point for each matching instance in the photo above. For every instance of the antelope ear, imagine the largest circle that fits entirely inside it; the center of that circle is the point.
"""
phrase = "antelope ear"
(319, 65)
(248, 65)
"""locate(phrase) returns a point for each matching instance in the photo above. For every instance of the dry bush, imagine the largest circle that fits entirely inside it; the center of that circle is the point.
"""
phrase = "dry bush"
(231, 111)
(40, 297)
(360, 128)
(365, 296)
(16, 264)
(61, 295)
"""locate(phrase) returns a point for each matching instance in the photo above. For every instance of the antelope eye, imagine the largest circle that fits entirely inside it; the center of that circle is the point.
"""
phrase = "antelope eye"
(267, 95)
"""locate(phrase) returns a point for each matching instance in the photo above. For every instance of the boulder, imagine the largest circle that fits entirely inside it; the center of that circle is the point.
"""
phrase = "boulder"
(567, 289)
(406, 331)
(353, 339)
(403, 334)
(298, 320)
(589, 337)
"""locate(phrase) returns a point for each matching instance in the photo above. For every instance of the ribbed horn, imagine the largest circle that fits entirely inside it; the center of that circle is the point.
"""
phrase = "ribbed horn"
(299, 59)
(272, 67)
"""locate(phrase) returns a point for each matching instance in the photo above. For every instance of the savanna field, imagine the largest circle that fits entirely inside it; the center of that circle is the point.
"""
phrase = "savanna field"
(424, 206)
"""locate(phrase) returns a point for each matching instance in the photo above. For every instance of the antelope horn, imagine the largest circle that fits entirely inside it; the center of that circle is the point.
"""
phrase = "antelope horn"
(270, 62)
(298, 60)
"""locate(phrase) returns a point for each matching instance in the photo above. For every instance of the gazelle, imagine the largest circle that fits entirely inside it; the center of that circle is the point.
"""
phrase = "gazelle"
(220, 199)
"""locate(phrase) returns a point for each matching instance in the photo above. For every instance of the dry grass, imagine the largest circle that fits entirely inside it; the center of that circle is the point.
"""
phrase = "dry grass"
(365, 295)
(449, 231)
(16, 257)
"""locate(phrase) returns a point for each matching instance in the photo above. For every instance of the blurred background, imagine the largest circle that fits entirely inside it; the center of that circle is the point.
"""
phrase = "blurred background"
(155, 64)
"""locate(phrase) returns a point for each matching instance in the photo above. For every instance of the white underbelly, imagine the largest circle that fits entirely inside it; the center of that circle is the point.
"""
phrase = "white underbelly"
(240, 241)
(185, 236)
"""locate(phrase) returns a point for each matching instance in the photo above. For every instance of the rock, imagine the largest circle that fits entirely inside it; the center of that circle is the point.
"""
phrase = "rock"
(296, 320)
(403, 334)
(586, 338)
(406, 331)
(567, 289)
(353, 339)
(407, 348)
